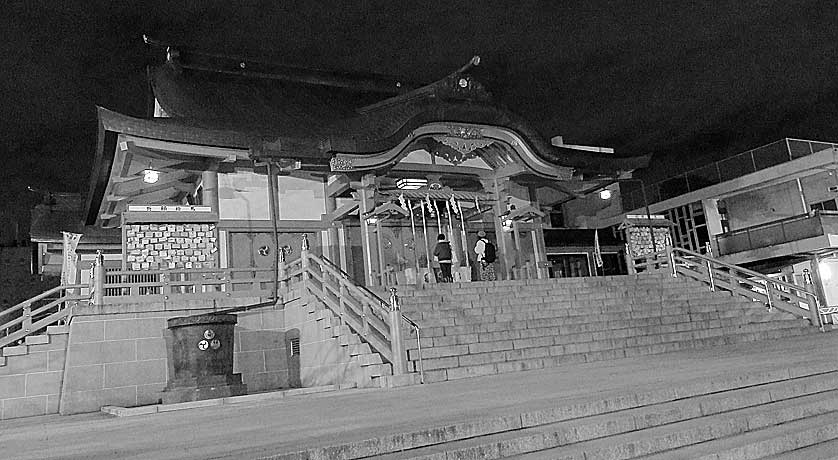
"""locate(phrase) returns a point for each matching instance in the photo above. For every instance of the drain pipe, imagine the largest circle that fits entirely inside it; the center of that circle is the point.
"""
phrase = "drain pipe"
(273, 191)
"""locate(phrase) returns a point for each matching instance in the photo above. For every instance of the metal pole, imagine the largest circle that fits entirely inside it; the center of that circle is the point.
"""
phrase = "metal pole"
(396, 343)
(648, 216)
(273, 192)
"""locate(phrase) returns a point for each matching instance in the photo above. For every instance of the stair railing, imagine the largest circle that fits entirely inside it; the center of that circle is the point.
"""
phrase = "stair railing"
(34, 315)
(800, 301)
(376, 321)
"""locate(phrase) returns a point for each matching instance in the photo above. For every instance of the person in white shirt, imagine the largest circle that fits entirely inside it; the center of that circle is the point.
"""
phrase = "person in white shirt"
(486, 255)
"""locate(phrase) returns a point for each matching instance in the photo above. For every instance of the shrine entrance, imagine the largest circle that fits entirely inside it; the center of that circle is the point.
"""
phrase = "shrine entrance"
(445, 179)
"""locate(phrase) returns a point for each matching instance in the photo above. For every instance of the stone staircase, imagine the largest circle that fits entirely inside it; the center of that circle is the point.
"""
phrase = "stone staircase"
(31, 373)
(487, 328)
(350, 349)
(775, 413)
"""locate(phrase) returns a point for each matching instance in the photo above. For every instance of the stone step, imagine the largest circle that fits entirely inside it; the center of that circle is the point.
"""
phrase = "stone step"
(396, 381)
(616, 327)
(36, 339)
(739, 441)
(14, 350)
(589, 417)
(57, 330)
(627, 305)
(547, 303)
(451, 368)
(580, 317)
(625, 336)
(827, 450)
(634, 433)
(505, 298)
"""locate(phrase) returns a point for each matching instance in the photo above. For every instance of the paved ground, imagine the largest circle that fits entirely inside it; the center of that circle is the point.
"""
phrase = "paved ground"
(250, 430)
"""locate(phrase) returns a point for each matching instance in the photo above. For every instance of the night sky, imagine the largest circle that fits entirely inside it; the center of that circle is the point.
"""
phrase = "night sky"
(685, 83)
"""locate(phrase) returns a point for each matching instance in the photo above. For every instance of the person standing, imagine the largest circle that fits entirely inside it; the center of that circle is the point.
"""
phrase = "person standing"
(442, 254)
(486, 255)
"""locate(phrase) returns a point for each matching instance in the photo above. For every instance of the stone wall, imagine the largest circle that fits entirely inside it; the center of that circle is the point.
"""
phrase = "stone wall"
(323, 360)
(30, 383)
(116, 354)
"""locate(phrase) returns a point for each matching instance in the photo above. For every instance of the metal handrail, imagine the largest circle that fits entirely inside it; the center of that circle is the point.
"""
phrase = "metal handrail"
(668, 256)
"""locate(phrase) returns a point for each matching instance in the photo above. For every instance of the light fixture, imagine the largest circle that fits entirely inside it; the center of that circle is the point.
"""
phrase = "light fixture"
(605, 194)
(411, 184)
(824, 270)
(151, 176)
(372, 220)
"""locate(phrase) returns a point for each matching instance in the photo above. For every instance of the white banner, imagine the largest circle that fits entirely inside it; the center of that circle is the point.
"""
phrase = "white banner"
(69, 265)
(597, 250)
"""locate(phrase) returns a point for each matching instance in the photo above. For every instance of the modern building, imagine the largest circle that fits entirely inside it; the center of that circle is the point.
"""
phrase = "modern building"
(773, 209)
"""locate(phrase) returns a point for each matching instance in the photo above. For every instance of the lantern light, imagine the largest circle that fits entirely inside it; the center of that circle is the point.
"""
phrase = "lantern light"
(605, 194)
(151, 176)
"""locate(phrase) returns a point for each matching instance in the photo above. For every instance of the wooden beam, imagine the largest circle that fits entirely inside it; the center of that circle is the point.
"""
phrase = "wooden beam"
(509, 170)
(341, 212)
(338, 186)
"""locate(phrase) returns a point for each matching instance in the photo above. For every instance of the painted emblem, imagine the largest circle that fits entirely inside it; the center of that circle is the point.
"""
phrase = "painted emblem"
(215, 344)
(209, 334)
(264, 250)
(203, 345)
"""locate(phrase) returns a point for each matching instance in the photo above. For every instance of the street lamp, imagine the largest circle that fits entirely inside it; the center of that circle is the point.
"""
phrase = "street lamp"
(603, 196)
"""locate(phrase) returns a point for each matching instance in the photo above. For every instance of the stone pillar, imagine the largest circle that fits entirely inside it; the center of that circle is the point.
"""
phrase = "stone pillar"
(209, 187)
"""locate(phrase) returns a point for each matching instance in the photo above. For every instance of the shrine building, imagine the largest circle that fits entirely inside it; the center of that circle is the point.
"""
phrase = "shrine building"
(241, 159)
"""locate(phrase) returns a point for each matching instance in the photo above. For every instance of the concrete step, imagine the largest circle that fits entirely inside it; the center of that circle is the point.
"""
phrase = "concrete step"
(739, 441)
(634, 433)
(548, 337)
(592, 417)
(395, 381)
(36, 339)
(472, 365)
(827, 450)
(14, 350)
(58, 330)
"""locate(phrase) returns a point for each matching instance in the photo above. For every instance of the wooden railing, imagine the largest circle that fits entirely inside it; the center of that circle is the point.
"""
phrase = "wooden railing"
(800, 301)
(34, 315)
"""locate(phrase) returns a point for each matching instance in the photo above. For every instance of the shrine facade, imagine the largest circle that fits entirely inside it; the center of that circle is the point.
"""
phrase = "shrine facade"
(242, 159)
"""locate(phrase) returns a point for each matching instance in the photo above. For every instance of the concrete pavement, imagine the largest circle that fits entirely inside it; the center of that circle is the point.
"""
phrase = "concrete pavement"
(262, 428)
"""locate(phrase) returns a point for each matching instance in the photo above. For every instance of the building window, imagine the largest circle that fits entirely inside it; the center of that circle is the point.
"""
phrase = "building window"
(828, 205)
(690, 231)
(557, 218)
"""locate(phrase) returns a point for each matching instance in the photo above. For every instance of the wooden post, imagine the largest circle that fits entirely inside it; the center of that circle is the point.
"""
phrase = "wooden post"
(304, 261)
(366, 204)
(99, 279)
(396, 343)
(27, 317)
(814, 308)
(282, 270)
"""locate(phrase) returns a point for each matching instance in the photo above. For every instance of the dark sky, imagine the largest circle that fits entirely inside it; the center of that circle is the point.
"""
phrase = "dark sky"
(686, 83)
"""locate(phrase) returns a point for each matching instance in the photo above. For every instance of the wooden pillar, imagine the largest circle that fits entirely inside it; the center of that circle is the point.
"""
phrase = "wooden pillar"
(366, 197)
(209, 190)
(332, 243)
(503, 240)
(539, 247)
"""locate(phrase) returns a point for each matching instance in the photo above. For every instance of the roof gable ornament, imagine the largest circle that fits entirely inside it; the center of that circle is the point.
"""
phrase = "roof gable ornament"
(463, 140)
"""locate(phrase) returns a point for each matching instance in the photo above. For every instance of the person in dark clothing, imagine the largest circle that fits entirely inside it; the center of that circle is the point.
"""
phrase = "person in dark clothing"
(442, 254)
